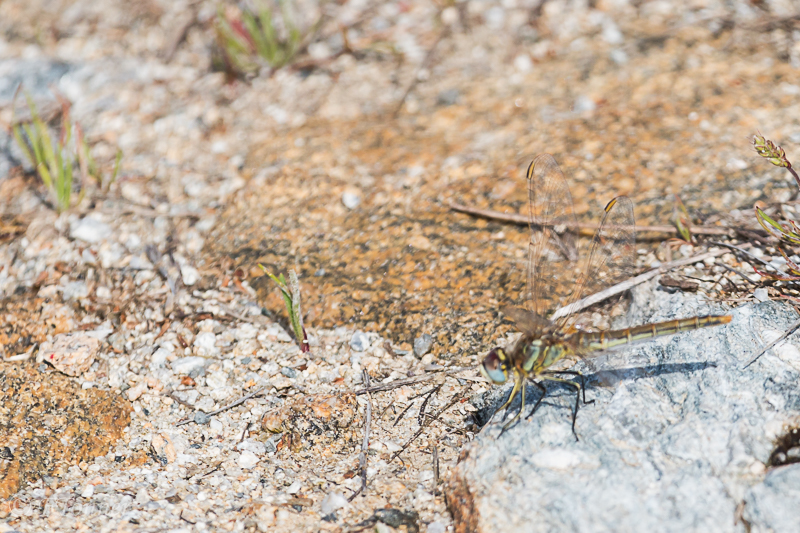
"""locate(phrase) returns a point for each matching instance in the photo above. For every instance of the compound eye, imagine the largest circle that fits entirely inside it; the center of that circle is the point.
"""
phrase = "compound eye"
(494, 368)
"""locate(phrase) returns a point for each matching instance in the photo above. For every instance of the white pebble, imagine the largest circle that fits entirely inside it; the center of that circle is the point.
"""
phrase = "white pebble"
(247, 459)
(332, 502)
(189, 274)
(89, 229)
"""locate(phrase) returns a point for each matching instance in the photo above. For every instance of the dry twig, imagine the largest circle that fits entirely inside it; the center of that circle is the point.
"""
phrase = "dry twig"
(588, 228)
(630, 283)
(362, 459)
(788, 332)
(416, 379)
(230, 406)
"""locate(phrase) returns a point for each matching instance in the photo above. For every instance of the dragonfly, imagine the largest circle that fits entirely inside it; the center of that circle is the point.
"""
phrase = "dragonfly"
(551, 252)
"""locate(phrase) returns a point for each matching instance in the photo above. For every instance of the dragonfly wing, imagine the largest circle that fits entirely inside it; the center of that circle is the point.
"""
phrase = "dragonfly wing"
(551, 248)
(612, 254)
(611, 259)
(526, 320)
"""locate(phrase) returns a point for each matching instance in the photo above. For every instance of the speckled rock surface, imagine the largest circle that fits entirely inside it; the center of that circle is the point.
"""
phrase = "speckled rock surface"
(341, 166)
(677, 439)
(51, 424)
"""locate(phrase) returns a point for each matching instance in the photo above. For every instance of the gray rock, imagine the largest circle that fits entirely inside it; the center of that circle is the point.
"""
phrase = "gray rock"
(201, 418)
(290, 373)
(448, 97)
(422, 344)
(772, 505)
(36, 76)
(359, 341)
(678, 433)
(185, 365)
(89, 229)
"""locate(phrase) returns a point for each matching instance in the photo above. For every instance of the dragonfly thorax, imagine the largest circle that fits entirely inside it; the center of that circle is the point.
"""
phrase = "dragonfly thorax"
(537, 354)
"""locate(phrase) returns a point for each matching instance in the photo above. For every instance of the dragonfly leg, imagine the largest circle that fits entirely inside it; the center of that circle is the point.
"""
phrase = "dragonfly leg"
(580, 376)
(539, 401)
(510, 398)
(549, 375)
(521, 383)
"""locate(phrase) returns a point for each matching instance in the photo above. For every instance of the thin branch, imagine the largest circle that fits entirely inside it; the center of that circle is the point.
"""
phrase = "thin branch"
(450, 404)
(743, 252)
(628, 284)
(435, 470)
(362, 459)
(230, 406)
(410, 381)
(524, 220)
(740, 274)
(428, 396)
(788, 332)
(402, 414)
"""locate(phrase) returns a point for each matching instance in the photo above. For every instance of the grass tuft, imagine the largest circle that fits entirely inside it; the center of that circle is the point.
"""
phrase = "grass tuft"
(291, 298)
(252, 37)
(56, 158)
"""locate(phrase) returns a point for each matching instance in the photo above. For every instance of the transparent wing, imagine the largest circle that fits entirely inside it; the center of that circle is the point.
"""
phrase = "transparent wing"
(612, 255)
(551, 250)
(611, 259)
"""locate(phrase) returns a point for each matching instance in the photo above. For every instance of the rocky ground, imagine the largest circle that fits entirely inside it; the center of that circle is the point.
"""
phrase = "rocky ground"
(342, 166)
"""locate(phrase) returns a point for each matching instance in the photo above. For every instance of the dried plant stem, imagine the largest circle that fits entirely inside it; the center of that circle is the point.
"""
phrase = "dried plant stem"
(587, 228)
(788, 332)
(416, 379)
(362, 459)
(630, 283)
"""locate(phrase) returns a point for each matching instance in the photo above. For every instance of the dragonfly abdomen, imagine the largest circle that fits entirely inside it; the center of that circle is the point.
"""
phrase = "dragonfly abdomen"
(609, 339)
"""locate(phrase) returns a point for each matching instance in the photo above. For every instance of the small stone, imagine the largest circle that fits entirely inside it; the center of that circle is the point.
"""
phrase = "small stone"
(422, 344)
(138, 262)
(420, 242)
(359, 341)
(201, 418)
(88, 491)
(159, 357)
(185, 365)
(761, 294)
(351, 200)
(90, 230)
(332, 502)
(584, 104)
(205, 343)
(71, 353)
(247, 460)
(294, 488)
(436, 527)
(134, 393)
(448, 97)
(75, 290)
(290, 373)
(190, 275)
(254, 446)
(163, 448)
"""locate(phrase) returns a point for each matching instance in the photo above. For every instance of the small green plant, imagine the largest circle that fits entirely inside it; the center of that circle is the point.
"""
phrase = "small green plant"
(775, 155)
(681, 220)
(291, 297)
(786, 232)
(55, 159)
(250, 37)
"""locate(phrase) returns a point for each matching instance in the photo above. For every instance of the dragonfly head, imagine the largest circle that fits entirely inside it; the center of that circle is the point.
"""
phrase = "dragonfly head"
(495, 366)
